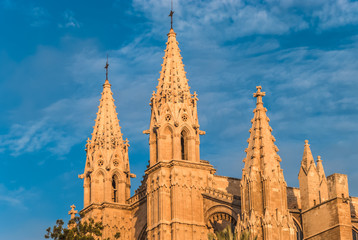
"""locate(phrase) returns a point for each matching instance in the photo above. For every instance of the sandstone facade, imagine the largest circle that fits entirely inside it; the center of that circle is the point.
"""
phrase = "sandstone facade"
(181, 197)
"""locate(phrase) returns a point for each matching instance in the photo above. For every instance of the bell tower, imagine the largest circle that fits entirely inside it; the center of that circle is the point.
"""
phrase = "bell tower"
(174, 127)
(107, 174)
(175, 176)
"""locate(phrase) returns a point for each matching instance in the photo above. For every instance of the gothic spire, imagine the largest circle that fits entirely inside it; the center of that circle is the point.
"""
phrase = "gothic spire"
(261, 151)
(172, 84)
(174, 115)
(307, 158)
(320, 169)
(107, 155)
(107, 132)
(263, 193)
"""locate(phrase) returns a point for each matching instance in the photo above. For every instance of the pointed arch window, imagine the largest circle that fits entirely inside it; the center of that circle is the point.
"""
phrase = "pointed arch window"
(184, 145)
(299, 233)
(115, 181)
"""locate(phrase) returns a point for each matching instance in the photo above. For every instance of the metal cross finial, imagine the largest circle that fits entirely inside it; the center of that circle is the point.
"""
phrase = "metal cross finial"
(106, 67)
(171, 16)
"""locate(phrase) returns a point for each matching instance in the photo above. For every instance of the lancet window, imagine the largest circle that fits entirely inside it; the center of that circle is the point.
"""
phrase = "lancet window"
(115, 188)
(299, 234)
(184, 145)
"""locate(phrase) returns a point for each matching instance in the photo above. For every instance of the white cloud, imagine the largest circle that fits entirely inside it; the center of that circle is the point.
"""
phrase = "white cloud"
(70, 20)
(335, 13)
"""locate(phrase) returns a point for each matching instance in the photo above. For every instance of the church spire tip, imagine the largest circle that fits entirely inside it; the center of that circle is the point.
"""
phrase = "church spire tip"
(171, 15)
(106, 67)
(259, 94)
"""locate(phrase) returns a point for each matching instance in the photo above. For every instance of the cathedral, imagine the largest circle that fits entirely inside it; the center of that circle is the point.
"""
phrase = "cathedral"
(181, 197)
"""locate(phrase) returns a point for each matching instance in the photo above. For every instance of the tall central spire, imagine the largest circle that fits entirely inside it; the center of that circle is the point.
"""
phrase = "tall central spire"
(173, 84)
(174, 127)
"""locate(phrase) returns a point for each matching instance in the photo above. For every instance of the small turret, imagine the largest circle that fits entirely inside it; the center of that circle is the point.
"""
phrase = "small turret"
(323, 188)
(308, 179)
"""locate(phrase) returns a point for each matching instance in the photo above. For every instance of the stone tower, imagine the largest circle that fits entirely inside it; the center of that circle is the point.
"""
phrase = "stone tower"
(107, 175)
(264, 210)
(310, 180)
(174, 199)
(324, 198)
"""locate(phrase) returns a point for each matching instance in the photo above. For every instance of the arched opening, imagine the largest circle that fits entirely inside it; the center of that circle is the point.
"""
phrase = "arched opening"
(299, 233)
(167, 148)
(184, 145)
(220, 221)
(355, 234)
(115, 182)
(143, 233)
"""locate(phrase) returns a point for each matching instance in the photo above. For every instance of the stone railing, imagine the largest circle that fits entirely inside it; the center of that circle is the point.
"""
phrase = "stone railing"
(137, 197)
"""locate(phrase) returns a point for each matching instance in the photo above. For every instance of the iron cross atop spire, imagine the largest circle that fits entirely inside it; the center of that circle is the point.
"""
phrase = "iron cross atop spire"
(106, 67)
(171, 15)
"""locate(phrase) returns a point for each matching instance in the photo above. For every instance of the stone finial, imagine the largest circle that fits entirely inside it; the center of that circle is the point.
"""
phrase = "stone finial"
(320, 168)
(259, 94)
(307, 158)
(126, 143)
(72, 212)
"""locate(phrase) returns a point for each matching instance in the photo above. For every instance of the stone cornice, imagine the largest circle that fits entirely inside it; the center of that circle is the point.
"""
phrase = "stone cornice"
(182, 163)
(104, 205)
(221, 196)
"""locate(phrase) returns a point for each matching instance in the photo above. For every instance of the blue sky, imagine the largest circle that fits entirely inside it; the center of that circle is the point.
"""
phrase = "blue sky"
(304, 53)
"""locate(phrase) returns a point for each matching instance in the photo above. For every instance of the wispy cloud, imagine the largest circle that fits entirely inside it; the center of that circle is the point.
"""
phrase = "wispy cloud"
(40, 16)
(16, 197)
(69, 20)
(51, 130)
